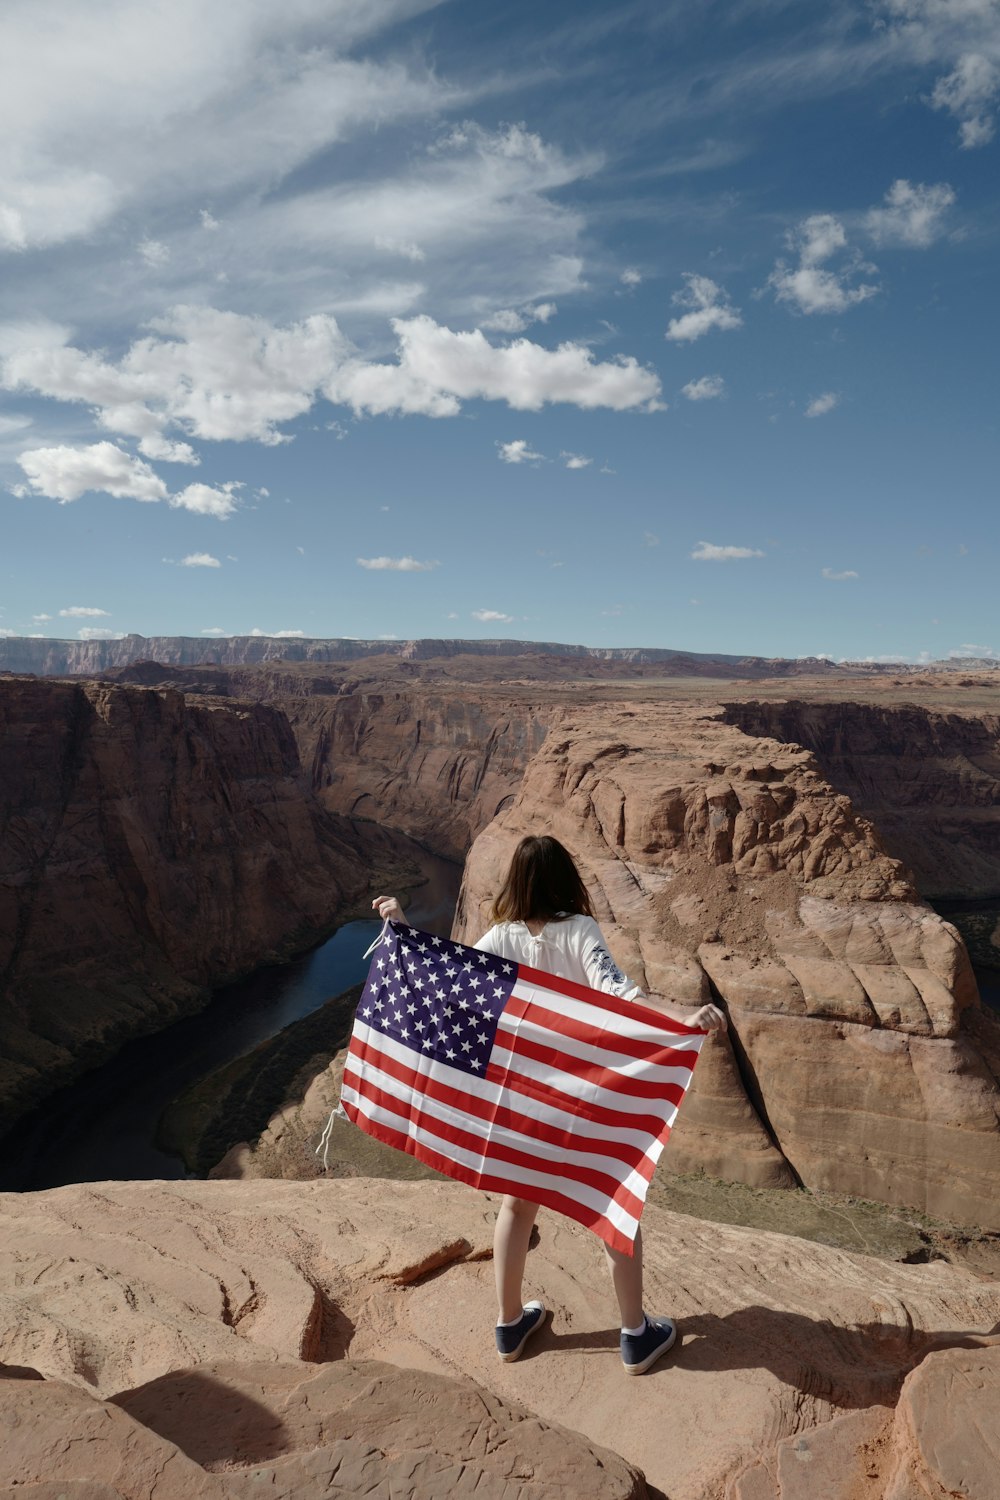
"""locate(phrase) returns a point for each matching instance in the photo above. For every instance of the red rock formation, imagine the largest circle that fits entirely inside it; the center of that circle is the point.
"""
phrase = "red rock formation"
(151, 848)
(930, 780)
(712, 857)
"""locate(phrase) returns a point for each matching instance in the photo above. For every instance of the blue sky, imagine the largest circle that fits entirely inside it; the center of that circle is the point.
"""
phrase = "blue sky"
(649, 324)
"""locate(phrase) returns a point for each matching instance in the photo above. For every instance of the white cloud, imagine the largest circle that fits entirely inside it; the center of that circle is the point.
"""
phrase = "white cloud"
(969, 93)
(208, 221)
(214, 630)
(820, 405)
(98, 633)
(230, 95)
(203, 500)
(217, 375)
(221, 375)
(200, 560)
(277, 635)
(408, 249)
(396, 564)
(707, 388)
(811, 286)
(8, 635)
(708, 552)
(836, 577)
(40, 619)
(64, 473)
(912, 215)
(506, 321)
(487, 615)
(154, 252)
(518, 451)
(987, 652)
(82, 612)
(437, 369)
(510, 320)
(650, 539)
(631, 277)
(576, 460)
(162, 448)
(708, 307)
(14, 422)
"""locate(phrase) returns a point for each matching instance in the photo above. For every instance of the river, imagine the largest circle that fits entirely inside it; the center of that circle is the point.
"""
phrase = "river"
(104, 1126)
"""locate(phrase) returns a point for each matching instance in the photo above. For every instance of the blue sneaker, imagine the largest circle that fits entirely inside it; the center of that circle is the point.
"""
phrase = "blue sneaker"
(511, 1341)
(640, 1351)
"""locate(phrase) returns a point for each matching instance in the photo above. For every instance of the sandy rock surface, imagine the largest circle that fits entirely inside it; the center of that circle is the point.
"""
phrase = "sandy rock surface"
(236, 1297)
(857, 1059)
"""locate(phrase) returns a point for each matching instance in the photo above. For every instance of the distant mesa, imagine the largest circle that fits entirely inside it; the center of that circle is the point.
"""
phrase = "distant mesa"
(55, 658)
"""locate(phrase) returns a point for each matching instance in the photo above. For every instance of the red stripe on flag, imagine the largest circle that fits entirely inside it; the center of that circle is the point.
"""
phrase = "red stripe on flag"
(495, 1151)
(596, 1073)
(587, 1109)
(639, 1012)
(491, 1183)
(490, 1112)
(665, 1056)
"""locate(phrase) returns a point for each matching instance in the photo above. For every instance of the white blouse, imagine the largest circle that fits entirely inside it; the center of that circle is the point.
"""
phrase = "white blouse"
(570, 947)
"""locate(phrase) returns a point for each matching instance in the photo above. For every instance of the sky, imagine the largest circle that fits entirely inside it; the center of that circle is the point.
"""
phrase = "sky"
(649, 324)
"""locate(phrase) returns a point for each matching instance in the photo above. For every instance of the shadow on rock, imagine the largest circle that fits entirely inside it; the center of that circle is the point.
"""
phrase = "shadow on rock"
(850, 1367)
(208, 1420)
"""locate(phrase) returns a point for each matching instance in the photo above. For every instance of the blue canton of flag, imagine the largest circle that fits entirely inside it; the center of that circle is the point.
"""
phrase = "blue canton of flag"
(438, 998)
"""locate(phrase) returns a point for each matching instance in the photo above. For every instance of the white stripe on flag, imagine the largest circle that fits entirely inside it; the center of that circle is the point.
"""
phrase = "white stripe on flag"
(447, 1114)
(583, 1089)
(619, 1064)
(591, 1013)
(496, 1094)
(570, 1187)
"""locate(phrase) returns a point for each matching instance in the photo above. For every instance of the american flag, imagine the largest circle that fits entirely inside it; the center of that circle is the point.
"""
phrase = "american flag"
(514, 1080)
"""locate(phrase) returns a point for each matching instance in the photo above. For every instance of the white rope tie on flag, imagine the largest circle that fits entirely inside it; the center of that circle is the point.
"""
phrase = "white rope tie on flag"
(339, 1112)
(371, 949)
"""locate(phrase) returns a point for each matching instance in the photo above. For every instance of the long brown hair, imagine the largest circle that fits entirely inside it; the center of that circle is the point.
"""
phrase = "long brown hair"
(542, 881)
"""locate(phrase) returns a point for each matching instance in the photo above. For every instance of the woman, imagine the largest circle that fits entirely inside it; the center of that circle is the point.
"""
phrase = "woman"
(543, 917)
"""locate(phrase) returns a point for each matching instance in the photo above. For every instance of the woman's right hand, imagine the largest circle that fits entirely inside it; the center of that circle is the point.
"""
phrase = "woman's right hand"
(389, 909)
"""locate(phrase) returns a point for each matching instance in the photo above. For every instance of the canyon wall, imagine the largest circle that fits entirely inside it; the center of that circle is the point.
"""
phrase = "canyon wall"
(931, 780)
(858, 1059)
(434, 759)
(150, 848)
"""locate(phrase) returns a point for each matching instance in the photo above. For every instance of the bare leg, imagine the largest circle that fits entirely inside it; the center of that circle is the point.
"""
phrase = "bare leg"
(626, 1273)
(510, 1251)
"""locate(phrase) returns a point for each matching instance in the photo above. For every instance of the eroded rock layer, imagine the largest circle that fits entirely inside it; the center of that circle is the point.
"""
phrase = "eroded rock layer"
(149, 848)
(720, 863)
(930, 779)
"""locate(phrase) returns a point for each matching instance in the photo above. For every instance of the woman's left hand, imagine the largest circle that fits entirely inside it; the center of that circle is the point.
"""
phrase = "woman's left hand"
(709, 1018)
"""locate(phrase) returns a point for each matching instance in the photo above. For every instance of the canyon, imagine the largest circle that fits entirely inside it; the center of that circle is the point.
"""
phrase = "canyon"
(151, 848)
(769, 841)
(734, 848)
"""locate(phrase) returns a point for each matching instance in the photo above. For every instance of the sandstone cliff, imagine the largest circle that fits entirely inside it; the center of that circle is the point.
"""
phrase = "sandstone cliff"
(858, 1059)
(149, 848)
(434, 759)
(931, 780)
(335, 1339)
